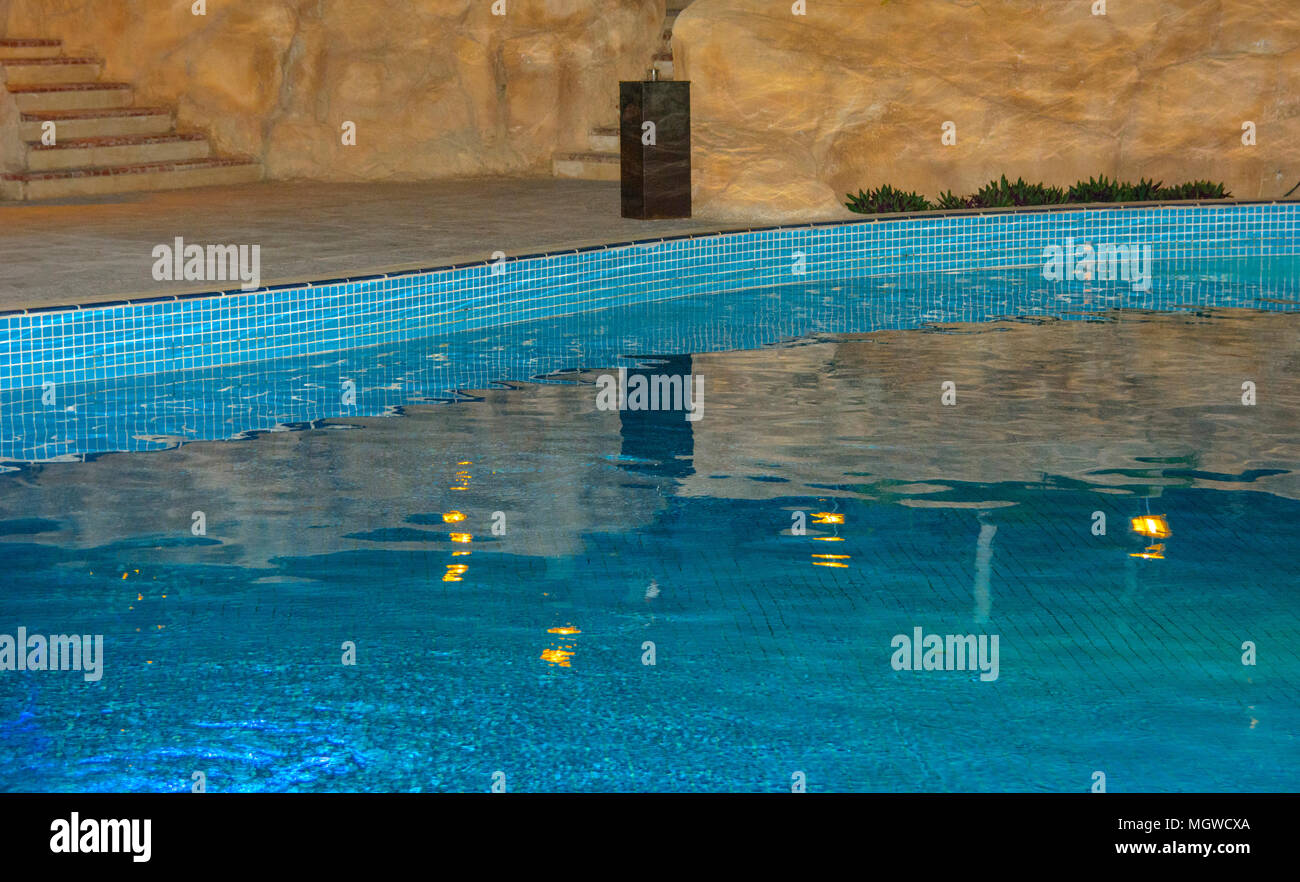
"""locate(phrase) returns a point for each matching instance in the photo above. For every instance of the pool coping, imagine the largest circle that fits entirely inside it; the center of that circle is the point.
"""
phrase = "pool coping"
(403, 271)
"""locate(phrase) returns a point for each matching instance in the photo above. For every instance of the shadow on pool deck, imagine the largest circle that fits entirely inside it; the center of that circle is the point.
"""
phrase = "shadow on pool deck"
(58, 253)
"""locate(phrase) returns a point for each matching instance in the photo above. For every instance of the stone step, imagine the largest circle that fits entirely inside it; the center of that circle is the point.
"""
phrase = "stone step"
(102, 123)
(131, 150)
(603, 139)
(34, 71)
(592, 166)
(71, 96)
(80, 182)
(19, 48)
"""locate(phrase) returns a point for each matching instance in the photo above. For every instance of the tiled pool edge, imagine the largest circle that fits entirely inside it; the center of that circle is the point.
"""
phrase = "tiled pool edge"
(185, 331)
(410, 270)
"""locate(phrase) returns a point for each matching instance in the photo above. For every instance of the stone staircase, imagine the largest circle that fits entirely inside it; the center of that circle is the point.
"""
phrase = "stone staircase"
(103, 142)
(600, 161)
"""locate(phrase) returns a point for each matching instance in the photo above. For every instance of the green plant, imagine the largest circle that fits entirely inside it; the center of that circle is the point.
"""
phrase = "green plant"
(1001, 193)
(1142, 191)
(886, 199)
(1098, 189)
(949, 201)
(994, 194)
(1195, 190)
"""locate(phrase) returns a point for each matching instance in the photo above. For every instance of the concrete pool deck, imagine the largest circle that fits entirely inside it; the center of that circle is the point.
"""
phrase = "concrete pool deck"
(77, 252)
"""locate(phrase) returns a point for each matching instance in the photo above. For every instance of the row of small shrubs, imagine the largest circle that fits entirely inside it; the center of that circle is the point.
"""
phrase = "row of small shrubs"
(1004, 194)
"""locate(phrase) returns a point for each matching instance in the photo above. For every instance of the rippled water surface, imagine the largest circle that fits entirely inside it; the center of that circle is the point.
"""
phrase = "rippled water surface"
(523, 650)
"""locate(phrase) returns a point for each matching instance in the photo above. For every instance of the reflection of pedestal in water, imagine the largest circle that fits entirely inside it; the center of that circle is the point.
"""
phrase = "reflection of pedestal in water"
(659, 442)
(983, 566)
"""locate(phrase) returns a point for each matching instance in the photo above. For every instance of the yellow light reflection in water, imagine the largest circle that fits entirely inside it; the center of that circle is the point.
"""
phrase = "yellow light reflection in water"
(461, 485)
(559, 657)
(1154, 526)
(456, 571)
(833, 519)
(1153, 552)
(560, 654)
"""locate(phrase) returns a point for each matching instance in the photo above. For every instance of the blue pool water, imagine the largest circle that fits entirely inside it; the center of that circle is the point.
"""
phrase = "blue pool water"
(522, 651)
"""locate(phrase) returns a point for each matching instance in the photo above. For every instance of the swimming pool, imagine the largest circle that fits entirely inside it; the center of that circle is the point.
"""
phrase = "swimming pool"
(504, 558)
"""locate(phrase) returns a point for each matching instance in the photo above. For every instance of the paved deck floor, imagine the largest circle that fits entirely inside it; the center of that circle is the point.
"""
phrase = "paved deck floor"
(60, 253)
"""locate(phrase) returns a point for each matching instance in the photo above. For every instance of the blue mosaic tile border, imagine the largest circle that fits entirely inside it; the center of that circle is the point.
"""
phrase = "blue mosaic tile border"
(191, 332)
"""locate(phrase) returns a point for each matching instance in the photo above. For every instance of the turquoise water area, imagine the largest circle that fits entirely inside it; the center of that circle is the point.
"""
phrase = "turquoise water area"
(328, 519)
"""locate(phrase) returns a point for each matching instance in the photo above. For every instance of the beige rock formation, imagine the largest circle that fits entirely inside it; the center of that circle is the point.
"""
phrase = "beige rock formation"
(792, 111)
(436, 88)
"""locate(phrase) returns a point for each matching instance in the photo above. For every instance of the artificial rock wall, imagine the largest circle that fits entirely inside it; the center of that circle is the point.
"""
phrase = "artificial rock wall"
(790, 111)
(437, 88)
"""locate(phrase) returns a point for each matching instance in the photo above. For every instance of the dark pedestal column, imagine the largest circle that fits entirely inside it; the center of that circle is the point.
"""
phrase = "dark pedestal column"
(656, 159)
